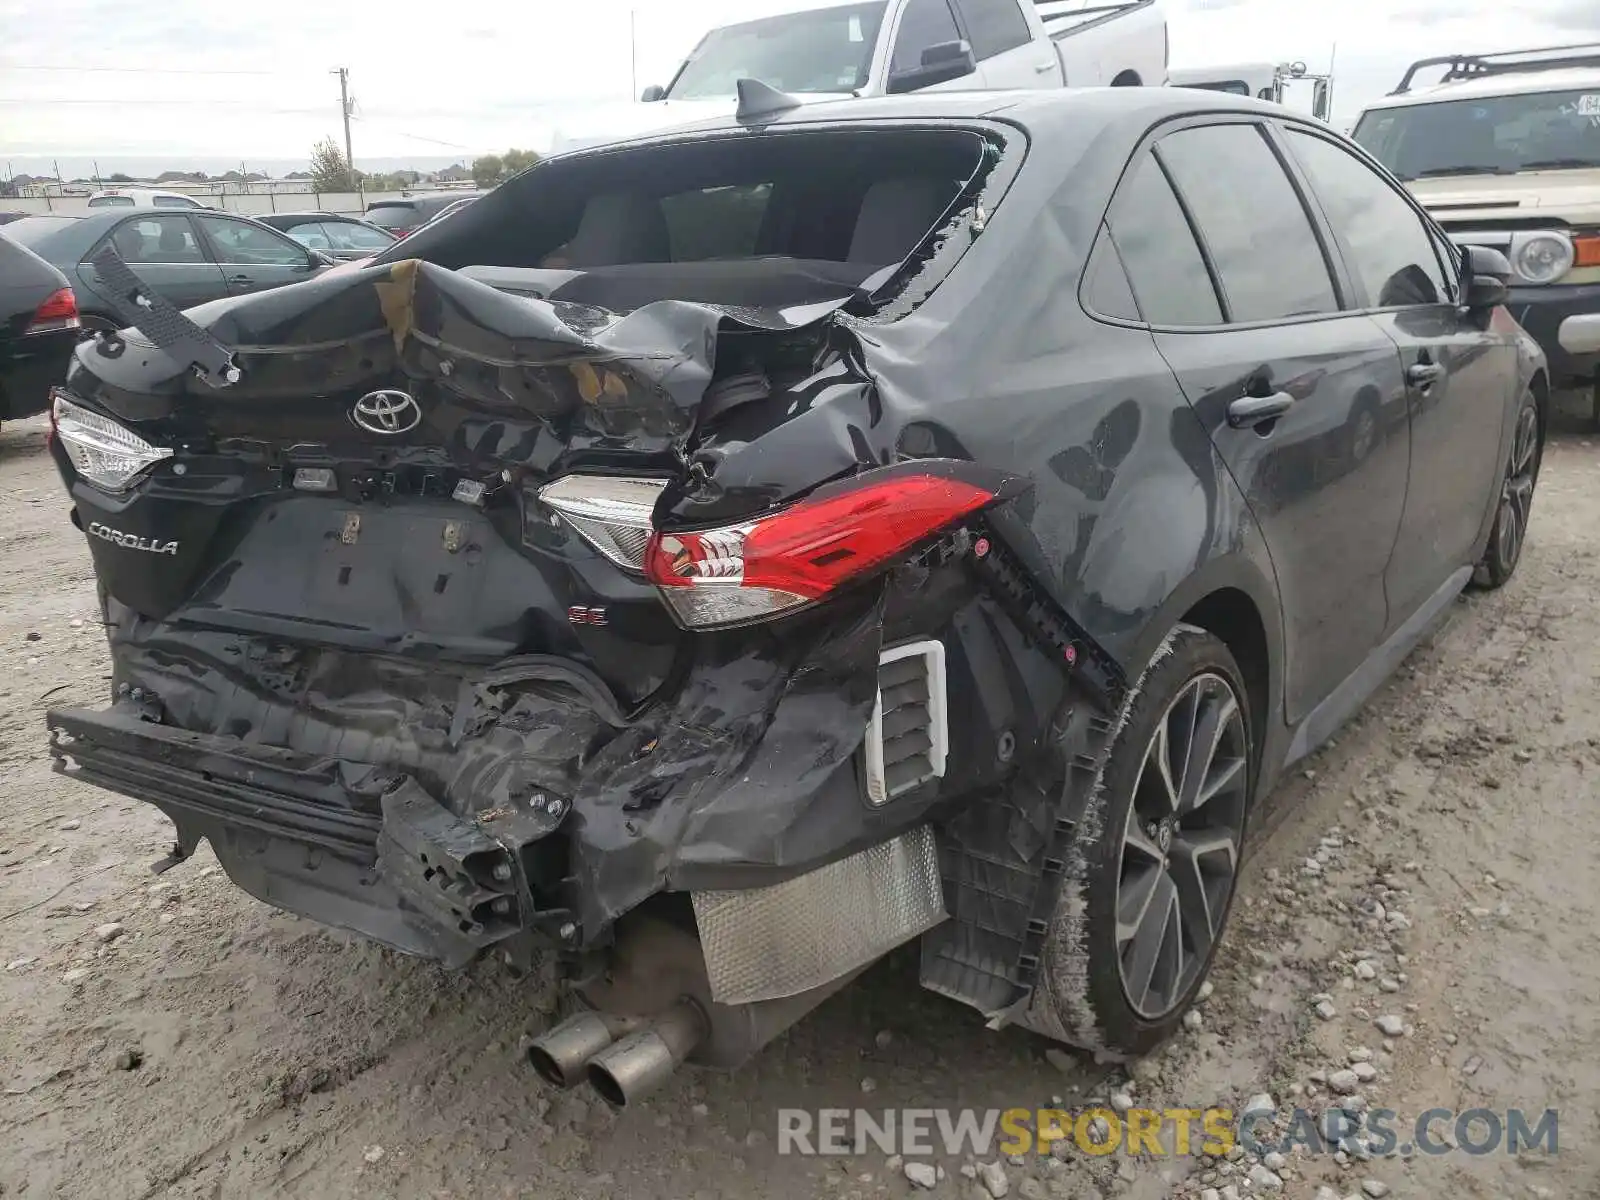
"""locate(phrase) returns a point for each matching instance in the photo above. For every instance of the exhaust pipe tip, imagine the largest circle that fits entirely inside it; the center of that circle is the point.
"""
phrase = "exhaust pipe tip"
(549, 1068)
(560, 1054)
(630, 1069)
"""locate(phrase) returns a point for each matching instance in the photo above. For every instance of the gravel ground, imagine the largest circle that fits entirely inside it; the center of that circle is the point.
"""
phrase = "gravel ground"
(1434, 870)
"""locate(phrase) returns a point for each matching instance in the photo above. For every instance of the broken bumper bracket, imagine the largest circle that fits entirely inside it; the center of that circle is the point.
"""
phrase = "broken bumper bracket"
(348, 846)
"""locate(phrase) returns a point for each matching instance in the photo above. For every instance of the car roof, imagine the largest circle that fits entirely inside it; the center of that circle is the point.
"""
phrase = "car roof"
(309, 215)
(1511, 83)
(1037, 111)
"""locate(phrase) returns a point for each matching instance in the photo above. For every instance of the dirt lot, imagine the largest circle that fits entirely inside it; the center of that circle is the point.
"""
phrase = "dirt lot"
(208, 1046)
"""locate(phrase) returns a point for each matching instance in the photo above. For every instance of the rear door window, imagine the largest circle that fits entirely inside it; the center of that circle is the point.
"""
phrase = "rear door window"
(166, 239)
(1158, 250)
(994, 26)
(312, 233)
(1394, 251)
(394, 216)
(924, 23)
(244, 243)
(1262, 243)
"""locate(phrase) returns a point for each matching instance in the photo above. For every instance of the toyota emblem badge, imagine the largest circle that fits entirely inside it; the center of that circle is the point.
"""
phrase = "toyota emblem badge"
(387, 412)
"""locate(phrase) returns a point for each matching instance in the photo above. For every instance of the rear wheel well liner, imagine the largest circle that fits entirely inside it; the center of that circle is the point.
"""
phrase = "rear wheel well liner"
(1230, 615)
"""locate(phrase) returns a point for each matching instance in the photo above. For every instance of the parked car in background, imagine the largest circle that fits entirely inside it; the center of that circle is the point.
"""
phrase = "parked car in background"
(38, 329)
(1264, 81)
(339, 237)
(450, 209)
(410, 213)
(142, 198)
(189, 258)
(1504, 151)
(819, 50)
(729, 557)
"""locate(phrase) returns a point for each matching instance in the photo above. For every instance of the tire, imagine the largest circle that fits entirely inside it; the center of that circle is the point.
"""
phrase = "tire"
(1088, 992)
(1510, 532)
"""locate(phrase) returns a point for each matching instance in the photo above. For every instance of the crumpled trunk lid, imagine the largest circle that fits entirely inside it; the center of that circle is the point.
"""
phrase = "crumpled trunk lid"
(371, 480)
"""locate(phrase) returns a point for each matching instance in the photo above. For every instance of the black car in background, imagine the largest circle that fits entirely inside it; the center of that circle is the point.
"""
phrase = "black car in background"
(340, 237)
(730, 555)
(410, 213)
(189, 257)
(38, 329)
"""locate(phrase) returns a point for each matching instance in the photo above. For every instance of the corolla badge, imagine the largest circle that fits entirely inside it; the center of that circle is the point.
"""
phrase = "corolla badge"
(387, 411)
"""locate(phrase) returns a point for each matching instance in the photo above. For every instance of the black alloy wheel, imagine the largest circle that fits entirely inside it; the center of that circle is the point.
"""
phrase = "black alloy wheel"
(1180, 845)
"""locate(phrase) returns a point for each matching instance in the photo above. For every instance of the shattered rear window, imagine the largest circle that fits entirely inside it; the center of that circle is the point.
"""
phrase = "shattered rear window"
(852, 201)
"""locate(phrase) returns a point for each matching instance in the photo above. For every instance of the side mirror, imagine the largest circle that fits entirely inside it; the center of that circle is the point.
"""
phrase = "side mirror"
(1485, 273)
(940, 64)
(652, 93)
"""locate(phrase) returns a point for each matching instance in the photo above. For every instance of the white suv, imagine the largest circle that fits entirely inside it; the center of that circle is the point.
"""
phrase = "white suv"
(1504, 151)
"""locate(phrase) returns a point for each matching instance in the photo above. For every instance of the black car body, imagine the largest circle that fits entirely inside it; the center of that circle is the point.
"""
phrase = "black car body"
(38, 329)
(346, 239)
(407, 214)
(728, 555)
(188, 257)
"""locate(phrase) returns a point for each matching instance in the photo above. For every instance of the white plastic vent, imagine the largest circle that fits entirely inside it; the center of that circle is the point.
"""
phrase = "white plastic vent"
(909, 734)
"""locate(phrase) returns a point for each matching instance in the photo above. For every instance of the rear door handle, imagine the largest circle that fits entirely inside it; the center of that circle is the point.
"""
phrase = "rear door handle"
(1041, 68)
(1249, 411)
(1420, 374)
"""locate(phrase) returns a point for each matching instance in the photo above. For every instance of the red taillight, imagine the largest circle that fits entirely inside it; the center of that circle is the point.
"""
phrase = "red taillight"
(59, 311)
(798, 555)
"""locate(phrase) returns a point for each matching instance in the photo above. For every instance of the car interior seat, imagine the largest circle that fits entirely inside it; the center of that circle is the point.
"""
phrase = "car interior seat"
(894, 215)
(620, 227)
(174, 245)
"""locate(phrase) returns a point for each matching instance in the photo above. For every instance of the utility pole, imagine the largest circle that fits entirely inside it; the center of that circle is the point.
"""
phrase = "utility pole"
(633, 52)
(344, 111)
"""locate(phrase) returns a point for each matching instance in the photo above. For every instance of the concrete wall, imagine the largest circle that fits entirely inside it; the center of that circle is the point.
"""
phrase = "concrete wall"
(353, 203)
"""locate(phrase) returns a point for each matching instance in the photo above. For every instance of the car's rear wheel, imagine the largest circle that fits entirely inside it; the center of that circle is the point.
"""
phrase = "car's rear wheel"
(1510, 532)
(1147, 891)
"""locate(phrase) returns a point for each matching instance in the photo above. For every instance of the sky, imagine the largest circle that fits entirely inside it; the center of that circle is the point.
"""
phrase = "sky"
(197, 83)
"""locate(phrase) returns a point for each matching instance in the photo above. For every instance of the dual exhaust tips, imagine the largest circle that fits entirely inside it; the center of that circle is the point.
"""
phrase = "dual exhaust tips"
(622, 1058)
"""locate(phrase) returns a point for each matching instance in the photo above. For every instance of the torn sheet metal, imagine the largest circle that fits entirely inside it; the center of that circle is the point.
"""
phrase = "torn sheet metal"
(473, 356)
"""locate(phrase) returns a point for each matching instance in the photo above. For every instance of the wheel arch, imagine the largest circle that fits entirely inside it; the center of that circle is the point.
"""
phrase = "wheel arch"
(1128, 78)
(1234, 599)
(1539, 385)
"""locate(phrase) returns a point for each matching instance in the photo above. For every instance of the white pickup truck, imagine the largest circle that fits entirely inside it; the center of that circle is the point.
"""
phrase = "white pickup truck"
(832, 48)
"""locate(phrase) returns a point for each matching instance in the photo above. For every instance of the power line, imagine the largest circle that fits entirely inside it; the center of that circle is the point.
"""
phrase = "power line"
(415, 136)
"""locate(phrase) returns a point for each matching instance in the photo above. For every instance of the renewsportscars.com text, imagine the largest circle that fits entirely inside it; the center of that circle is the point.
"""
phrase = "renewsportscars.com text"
(1163, 1131)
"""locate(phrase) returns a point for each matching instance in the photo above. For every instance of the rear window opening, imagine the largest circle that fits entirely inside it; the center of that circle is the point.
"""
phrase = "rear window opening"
(392, 216)
(759, 219)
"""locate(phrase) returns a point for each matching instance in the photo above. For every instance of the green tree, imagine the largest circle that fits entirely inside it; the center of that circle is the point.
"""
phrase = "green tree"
(329, 170)
(486, 171)
(517, 160)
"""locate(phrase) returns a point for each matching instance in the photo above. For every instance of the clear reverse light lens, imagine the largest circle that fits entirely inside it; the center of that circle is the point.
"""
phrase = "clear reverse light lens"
(611, 513)
(104, 453)
(1541, 257)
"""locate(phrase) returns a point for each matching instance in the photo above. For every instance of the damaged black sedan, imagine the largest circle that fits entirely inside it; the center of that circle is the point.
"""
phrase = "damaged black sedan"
(727, 556)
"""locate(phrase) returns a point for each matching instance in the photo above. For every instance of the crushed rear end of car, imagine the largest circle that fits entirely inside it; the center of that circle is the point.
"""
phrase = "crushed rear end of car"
(635, 613)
